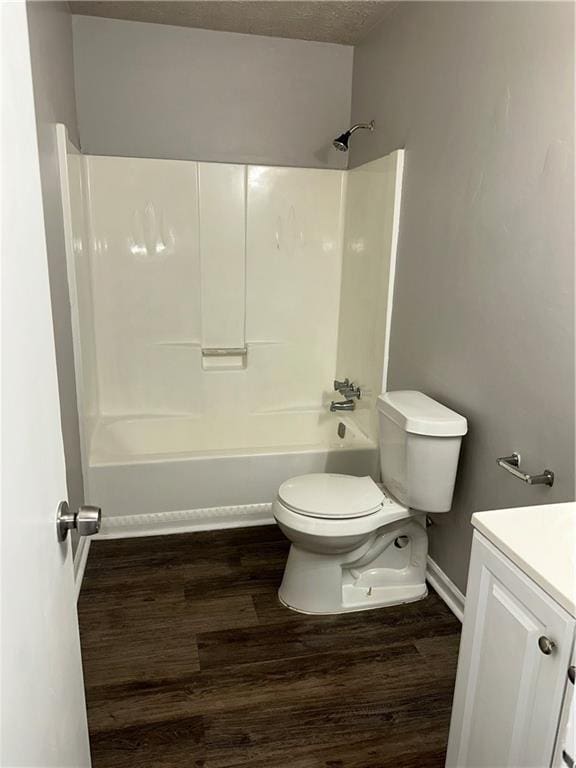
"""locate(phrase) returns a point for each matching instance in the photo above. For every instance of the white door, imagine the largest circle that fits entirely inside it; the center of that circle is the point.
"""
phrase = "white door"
(43, 715)
(508, 689)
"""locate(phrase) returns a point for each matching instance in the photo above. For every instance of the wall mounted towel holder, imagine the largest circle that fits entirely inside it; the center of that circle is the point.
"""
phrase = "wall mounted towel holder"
(511, 464)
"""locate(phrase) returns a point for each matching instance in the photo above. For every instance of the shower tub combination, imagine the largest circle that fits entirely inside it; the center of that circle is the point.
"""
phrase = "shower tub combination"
(169, 474)
(213, 305)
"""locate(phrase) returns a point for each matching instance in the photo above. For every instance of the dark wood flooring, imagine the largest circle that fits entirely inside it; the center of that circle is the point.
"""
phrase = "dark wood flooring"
(191, 662)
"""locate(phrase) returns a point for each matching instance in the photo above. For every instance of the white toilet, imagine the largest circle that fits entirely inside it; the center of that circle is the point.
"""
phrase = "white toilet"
(358, 545)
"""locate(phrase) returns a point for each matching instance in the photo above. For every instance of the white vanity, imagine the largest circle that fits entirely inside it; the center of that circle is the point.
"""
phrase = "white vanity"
(513, 703)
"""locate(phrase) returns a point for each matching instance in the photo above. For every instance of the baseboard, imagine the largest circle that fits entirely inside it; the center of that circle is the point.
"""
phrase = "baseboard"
(80, 559)
(185, 521)
(446, 588)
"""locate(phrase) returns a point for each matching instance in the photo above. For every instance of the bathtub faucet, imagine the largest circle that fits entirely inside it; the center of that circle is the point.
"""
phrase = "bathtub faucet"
(343, 405)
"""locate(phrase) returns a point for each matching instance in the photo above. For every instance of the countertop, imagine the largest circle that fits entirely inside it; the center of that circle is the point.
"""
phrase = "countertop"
(541, 541)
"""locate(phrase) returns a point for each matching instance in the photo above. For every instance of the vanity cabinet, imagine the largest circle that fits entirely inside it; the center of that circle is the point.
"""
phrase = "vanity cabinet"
(512, 670)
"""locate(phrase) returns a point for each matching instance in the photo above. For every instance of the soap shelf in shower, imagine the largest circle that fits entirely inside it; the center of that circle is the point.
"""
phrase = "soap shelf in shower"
(224, 358)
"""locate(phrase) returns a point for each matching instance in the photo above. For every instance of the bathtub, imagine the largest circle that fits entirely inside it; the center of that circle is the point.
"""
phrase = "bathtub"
(169, 474)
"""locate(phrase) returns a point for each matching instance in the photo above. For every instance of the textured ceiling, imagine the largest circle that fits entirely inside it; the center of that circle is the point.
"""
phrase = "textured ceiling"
(329, 21)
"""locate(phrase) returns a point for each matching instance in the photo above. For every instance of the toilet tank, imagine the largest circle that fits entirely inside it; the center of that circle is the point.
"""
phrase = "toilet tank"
(419, 448)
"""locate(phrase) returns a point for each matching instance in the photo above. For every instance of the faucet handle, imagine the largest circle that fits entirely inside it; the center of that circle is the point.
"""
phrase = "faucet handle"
(351, 391)
(340, 385)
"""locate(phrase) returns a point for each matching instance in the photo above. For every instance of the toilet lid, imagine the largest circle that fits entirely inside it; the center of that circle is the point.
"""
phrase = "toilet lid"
(330, 496)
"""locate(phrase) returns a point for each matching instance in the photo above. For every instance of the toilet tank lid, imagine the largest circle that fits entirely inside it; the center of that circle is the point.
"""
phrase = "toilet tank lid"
(419, 414)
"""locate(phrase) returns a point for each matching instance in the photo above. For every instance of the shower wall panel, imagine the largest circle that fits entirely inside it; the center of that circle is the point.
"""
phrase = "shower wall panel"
(146, 284)
(80, 279)
(370, 236)
(222, 200)
(294, 257)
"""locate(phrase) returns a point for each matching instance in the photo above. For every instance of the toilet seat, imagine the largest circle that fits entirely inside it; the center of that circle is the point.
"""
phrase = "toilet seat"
(390, 512)
(379, 507)
(331, 496)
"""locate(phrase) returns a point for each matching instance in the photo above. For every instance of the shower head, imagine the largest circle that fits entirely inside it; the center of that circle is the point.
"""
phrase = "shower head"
(341, 143)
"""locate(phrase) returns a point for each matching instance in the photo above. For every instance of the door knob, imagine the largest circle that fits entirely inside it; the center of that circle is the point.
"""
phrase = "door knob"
(546, 645)
(86, 521)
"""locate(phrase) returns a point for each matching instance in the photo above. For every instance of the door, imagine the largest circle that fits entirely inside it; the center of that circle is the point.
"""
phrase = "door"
(43, 714)
(510, 683)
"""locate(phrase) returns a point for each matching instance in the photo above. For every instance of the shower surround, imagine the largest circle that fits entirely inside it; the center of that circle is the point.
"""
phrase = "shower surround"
(213, 306)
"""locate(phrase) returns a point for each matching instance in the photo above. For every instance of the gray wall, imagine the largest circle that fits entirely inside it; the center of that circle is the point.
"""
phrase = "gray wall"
(151, 90)
(481, 96)
(50, 29)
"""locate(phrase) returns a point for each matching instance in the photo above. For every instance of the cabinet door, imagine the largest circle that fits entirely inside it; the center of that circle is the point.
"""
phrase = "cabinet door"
(508, 692)
(565, 750)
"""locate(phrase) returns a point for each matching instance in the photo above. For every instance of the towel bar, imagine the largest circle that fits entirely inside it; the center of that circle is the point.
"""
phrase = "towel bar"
(511, 464)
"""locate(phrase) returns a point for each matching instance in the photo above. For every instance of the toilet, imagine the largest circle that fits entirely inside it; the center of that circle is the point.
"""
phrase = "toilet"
(357, 544)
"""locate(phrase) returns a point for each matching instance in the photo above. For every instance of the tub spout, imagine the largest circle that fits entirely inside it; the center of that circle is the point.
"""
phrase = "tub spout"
(343, 405)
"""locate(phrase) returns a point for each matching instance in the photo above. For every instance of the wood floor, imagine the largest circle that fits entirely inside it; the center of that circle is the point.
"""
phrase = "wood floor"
(191, 662)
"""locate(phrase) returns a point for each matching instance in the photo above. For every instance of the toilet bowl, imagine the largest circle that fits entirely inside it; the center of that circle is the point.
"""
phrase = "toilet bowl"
(354, 544)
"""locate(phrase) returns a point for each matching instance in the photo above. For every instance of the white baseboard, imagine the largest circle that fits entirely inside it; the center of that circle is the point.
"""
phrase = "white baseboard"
(446, 588)
(185, 521)
(80, 559)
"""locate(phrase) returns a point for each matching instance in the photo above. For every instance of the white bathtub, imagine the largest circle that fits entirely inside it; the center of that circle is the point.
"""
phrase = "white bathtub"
(184, 473)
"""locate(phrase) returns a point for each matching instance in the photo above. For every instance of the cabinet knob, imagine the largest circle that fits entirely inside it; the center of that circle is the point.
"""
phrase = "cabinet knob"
(546, 645)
